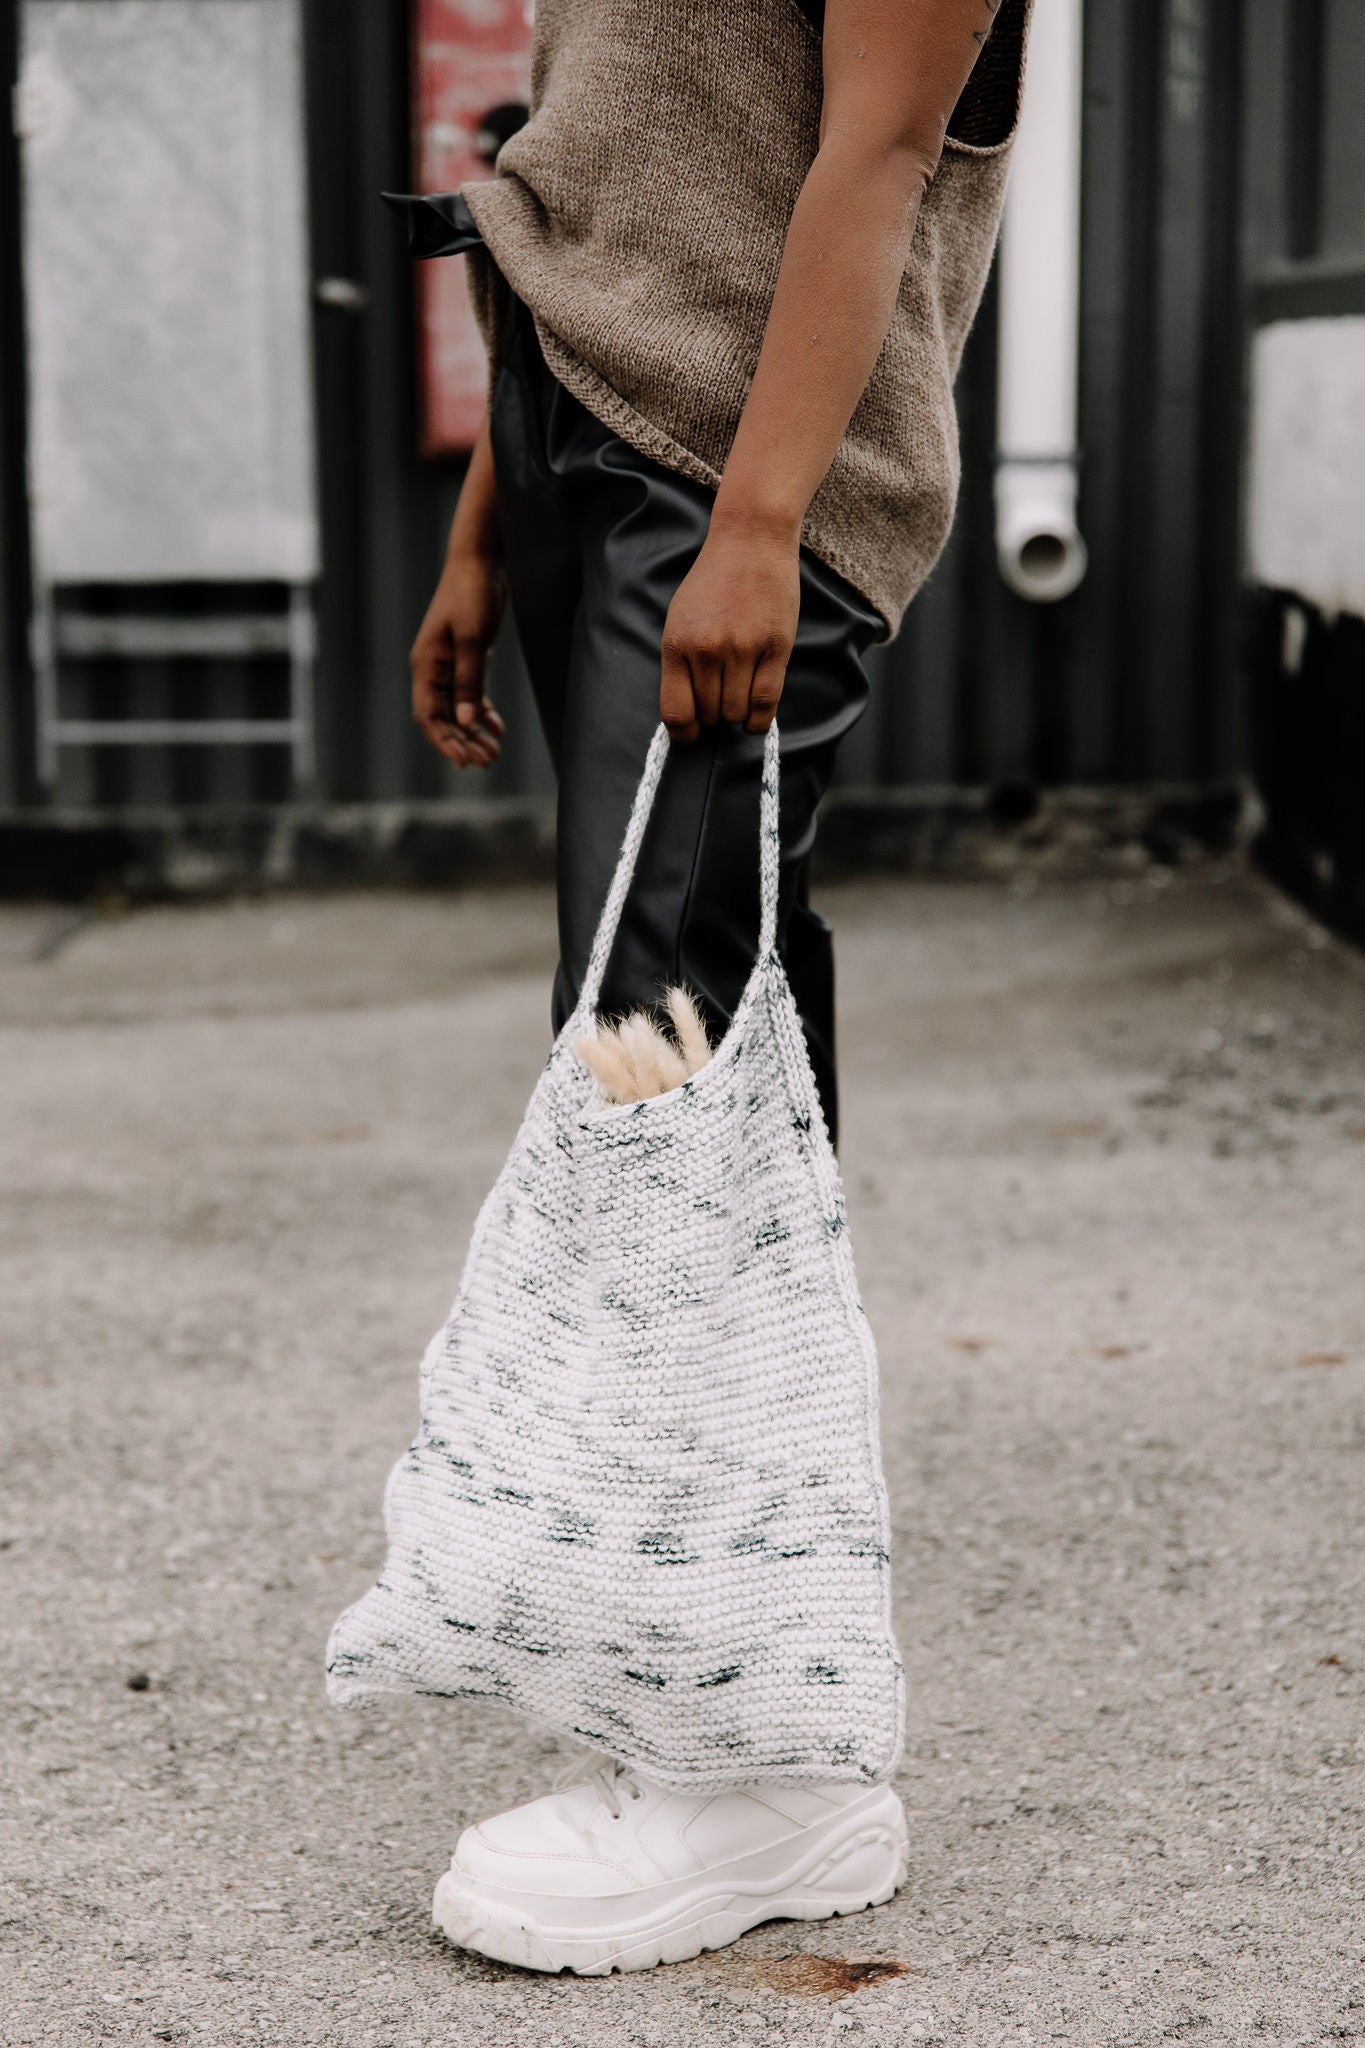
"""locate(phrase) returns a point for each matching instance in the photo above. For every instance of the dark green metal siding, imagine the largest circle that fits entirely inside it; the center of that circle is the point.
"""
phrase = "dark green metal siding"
(1135, 677)
(1221, 140)
(385, 512)
(16, 742)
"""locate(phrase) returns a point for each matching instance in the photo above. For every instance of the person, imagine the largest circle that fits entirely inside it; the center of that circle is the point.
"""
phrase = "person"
(725, 271)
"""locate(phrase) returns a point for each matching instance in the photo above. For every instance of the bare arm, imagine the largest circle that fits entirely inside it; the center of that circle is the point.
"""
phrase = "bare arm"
(893, 70)
(450, 654)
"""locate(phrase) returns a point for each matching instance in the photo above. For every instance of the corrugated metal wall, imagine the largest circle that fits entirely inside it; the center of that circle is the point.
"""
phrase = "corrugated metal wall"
(1137, 678)
(16, 747)
(1305, 256)
(1133, 679)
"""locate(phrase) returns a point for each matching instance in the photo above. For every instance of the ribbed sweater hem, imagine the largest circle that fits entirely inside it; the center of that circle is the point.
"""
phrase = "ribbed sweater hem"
(607, 405)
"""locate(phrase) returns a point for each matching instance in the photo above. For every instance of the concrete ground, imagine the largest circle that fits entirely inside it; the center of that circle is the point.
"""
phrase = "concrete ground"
(1105, 1146)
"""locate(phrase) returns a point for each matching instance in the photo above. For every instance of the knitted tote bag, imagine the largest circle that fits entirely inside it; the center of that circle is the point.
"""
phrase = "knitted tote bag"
(645, 1503)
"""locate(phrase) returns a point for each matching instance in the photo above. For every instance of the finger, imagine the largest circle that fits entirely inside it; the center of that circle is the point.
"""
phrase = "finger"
(486, 731)
(708, 673)
(480, 747)
(450, 749)
(448, 740)
(677, 706)
(766, 692)
(736, 689)
(470, 659)
(468, 746)
(432, 678)
(450, 743)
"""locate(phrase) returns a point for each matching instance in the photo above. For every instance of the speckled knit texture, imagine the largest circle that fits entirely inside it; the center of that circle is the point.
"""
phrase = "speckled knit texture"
(645, 1502)
(641, 215)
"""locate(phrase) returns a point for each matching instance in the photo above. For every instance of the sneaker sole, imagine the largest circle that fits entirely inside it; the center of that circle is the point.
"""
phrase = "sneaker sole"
(857, 1859)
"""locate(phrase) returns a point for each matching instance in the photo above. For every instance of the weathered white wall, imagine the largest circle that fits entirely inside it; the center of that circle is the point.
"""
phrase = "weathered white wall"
(171, 430)
(1307, 462)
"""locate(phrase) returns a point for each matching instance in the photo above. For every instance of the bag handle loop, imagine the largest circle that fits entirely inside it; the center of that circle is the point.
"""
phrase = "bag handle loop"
(769, 849)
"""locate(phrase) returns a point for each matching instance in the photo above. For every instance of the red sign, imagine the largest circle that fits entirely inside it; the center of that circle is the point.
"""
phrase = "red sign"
(472, 59)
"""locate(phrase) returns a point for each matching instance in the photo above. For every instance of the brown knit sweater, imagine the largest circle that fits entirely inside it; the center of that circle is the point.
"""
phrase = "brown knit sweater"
(641, 215)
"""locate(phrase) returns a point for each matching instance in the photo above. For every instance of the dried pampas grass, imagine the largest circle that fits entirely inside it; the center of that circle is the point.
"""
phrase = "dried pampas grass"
(635, 1058)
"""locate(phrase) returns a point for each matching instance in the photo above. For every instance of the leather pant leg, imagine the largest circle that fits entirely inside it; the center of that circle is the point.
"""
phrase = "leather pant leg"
(597, 539)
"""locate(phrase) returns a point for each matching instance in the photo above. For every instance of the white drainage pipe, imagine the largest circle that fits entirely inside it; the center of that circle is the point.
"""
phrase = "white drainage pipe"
(1038, 544)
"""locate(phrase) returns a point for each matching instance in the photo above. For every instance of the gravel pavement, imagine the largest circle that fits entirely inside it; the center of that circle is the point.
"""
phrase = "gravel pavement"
(1105, 1149)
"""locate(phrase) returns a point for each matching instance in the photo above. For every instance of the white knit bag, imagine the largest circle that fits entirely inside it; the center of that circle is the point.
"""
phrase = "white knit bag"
(645, 1503)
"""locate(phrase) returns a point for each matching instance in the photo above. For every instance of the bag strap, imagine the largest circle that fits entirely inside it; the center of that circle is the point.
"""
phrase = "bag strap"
(768, 861)
(769, 844)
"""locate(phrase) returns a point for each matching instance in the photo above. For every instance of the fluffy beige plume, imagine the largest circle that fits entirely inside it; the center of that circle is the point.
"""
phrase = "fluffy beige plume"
(604, 1057)
(690, 1030)
(635, 1058)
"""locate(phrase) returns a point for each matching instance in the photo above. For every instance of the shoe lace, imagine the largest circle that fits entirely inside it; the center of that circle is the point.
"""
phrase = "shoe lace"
(611, 1779)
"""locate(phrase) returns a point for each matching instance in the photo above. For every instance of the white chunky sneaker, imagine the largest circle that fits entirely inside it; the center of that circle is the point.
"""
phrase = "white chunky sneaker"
(615, 1874)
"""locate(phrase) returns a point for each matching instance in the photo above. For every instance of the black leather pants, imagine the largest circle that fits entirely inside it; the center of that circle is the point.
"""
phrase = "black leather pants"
(597, 540)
